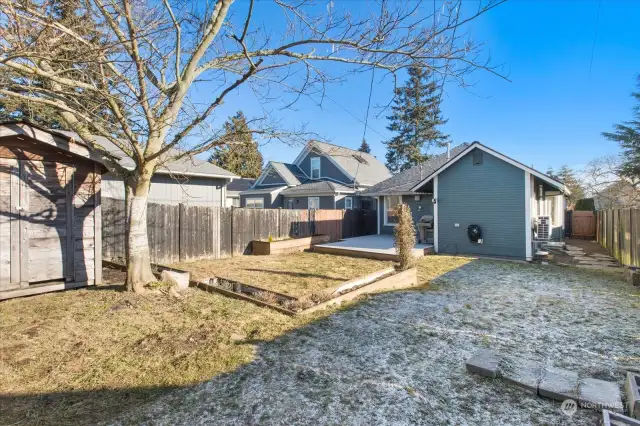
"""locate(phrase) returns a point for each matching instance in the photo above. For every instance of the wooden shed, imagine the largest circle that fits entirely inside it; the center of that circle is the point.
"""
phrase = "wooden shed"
(50, 219)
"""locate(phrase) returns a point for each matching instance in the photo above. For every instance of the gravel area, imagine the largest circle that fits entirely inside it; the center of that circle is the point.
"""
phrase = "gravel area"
(399, 358)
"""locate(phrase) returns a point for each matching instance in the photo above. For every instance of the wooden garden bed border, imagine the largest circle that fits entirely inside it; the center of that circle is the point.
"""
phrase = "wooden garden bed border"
(287, 246)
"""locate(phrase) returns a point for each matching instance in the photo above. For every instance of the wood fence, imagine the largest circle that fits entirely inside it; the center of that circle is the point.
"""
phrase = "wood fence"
(180, 233)
(618, 230)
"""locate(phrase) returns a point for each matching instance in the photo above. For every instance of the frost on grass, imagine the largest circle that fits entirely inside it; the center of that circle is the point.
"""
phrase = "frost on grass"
(399, 358)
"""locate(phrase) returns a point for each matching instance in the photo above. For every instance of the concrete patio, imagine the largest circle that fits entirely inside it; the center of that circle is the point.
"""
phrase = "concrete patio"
(378, 247)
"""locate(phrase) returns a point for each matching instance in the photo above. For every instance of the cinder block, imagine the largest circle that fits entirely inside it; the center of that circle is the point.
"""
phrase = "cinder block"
(597, 395)
(558, 384)
(632, 389)
(524, 374)
(485, 363)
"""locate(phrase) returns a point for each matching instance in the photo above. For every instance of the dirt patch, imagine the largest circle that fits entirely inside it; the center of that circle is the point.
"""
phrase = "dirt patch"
(400, 357)
(294, 274)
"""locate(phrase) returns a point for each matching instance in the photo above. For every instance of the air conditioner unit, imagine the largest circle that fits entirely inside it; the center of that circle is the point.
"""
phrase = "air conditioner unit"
(544, 227)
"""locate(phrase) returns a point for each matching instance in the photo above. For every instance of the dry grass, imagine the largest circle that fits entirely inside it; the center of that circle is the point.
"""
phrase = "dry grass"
(86, 355)
(294, 274)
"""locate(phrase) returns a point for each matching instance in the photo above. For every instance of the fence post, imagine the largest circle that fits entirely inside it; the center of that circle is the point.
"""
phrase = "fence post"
(182, 212)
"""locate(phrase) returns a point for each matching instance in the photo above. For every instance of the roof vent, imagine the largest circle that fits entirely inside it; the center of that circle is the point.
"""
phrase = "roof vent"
(360, 159)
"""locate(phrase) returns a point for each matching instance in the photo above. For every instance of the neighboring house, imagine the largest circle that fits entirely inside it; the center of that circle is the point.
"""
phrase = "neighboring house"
(234, 188)
(475, 185)
(189, 180)
(323, 176)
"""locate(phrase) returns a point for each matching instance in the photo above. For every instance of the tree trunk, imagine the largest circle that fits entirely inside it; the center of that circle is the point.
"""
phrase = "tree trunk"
(137, 250)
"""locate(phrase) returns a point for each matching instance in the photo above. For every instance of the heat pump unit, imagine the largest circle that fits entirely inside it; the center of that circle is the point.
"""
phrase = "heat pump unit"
(544, 227)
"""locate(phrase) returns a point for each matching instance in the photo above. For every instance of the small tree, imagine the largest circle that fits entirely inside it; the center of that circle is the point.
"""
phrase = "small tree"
(364, 147)
(569, 177)
(404, 235)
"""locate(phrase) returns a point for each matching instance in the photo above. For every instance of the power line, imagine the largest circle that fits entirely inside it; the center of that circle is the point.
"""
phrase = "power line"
(595, 34)
(366, 118)
(353, 115)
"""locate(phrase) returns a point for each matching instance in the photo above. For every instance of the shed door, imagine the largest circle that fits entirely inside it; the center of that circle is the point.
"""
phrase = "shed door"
(9, 224)
(49, 188)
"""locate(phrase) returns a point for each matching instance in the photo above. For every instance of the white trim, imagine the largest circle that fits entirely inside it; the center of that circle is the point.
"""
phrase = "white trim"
(313, 193)
(384, 202)
(378, 213)
(345, 203)
(318, 160)
(246, 201)
(335, 201)
(309, 202)
(264, 174)
(259, 191)
(495, 154)
(436, 225)
(165, 171)
(527, 216)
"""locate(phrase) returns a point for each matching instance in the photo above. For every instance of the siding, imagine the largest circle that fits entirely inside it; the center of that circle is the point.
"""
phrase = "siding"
(169, 190)
(301, 203)
(490, 195)
(327, 168)
(272, 178)
(267, 200)
(418, 209)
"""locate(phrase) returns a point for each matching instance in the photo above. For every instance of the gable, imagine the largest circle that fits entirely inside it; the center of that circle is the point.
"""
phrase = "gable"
(272, 177)
(327, 168)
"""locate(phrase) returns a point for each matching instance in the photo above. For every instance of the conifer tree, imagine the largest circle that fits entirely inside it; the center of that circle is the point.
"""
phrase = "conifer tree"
(364, 147)
(238, 153)
(415, 119)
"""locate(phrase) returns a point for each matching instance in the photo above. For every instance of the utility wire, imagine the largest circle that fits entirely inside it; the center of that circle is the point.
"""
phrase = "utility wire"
(595, 34)
(366, 117)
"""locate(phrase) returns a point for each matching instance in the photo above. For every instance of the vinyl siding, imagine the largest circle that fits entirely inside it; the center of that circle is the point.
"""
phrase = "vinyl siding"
(272, 178)
(301, 203)
(267, 200)
(490, 195)
(327, 168)
(167, 189)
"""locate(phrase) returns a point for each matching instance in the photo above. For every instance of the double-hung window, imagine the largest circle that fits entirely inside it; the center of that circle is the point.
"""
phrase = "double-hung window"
(348, 203)
(315, 167)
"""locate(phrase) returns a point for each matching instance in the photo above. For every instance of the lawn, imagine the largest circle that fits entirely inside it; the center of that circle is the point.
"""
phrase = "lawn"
(294, 274)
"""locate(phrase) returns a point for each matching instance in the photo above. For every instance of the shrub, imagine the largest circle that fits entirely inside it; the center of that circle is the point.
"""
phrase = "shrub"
(270, 238)
(405, 236)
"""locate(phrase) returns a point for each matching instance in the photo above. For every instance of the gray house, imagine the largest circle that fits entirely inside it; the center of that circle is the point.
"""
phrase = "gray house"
(323, 176)
(512, 204)
(188, 180)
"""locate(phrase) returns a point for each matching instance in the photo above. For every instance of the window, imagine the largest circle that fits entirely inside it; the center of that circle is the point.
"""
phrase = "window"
(255, 203)
(348, 203)
(290, 203)
(315, 168)
(314, 203)
(235, 202)
(390, 202)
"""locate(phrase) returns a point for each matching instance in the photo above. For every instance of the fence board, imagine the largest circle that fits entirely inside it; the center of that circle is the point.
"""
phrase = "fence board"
(619, 233)
(183, 233)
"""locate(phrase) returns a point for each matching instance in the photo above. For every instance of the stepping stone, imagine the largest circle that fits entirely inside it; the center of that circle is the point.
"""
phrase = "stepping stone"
(485, 363)
(524, 374)
(632, 389)
(558, 384)
(610, 418)
(598, 395)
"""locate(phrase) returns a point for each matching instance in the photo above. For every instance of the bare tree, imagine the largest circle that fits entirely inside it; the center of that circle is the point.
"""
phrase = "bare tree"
(609, 185)
(147, 64)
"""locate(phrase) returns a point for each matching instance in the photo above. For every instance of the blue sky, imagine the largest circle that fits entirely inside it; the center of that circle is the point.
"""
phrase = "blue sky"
(553, 111)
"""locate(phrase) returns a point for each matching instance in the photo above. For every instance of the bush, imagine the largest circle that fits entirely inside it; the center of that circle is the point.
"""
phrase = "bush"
(405, 236)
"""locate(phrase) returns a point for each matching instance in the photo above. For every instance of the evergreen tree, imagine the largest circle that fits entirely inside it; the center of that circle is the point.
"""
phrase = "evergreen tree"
(239, 152)
(415, 118)
(627, 134)
(364, 147)
(568, 176)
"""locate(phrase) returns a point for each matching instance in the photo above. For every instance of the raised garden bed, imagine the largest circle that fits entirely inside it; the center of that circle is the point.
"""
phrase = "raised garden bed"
(290, 245)
(383, 280)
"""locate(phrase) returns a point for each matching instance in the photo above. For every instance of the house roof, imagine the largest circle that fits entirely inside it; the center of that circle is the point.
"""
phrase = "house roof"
(238, 185)
(187, 166)
(291, 173)
(269, 190)
(364, 168)
(403, 182)
(317, 187)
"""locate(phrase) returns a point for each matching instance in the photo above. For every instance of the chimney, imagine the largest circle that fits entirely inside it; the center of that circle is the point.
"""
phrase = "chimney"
(448, 151)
